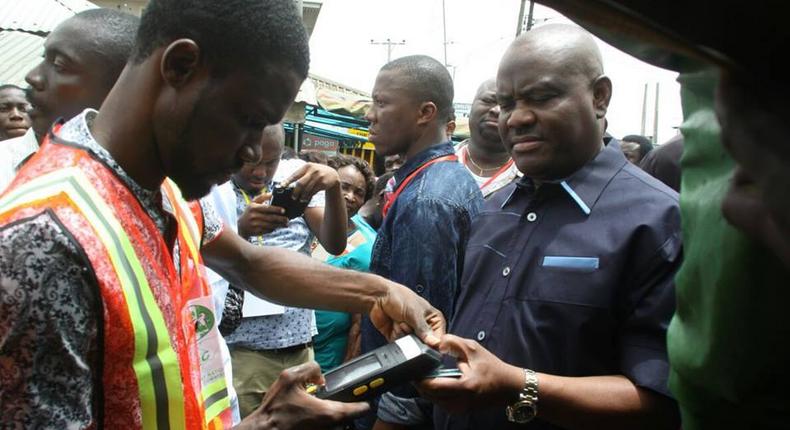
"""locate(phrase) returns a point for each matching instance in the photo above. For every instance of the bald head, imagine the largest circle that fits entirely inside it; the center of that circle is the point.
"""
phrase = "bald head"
(485, 87)
(483, 116)
(553, 97)
(564, 44)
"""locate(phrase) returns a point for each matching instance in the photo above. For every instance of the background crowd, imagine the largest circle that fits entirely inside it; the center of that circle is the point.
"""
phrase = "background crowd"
(586, 280)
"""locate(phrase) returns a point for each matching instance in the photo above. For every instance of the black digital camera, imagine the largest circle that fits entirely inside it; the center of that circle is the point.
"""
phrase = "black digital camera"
(283, 197)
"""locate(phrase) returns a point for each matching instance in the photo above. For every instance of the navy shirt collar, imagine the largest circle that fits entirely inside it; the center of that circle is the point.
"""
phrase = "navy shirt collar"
(427, 154)
(586, 184)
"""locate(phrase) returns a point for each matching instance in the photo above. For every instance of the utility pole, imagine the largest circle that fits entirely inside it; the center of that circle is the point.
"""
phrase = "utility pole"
(520, 25)
(644, 111)
(529, 16)
(530, 20)
(444, 30)
(655, 119)
(389, 44)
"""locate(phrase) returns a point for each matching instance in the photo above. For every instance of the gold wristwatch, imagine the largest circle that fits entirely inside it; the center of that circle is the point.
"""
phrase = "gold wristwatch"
(526, 407)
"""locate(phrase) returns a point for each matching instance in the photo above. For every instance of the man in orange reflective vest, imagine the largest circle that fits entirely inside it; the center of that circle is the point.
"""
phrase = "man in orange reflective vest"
(89, 243)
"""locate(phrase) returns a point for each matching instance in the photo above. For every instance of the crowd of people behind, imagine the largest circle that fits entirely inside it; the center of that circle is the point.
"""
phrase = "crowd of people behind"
(150, 279)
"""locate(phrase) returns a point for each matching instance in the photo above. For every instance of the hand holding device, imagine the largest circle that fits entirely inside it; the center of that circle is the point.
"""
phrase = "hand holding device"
(260, 218)
(283, 197)
(402, 311)
(288, 406)
(310, 179)
(377, 371)
(486, 380)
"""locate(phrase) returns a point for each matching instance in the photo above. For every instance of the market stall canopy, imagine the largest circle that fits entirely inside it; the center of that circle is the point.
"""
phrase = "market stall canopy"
(23, 26)
(19, 52)
(343, 103)
(38, 16)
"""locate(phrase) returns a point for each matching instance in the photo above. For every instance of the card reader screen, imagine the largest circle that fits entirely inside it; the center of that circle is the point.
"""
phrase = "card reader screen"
(349, 373)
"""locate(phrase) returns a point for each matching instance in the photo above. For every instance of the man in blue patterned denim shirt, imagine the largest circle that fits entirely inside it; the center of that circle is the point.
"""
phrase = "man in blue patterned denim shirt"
(428, 217)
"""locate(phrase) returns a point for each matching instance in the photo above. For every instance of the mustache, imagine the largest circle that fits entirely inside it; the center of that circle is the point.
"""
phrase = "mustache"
(522, 131)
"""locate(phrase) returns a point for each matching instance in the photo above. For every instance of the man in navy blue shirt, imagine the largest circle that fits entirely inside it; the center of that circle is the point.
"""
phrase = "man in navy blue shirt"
(568, 278)
(428, 217)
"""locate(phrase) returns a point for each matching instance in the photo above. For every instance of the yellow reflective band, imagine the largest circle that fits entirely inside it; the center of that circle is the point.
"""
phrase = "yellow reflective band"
(155, 363)
(187, 225)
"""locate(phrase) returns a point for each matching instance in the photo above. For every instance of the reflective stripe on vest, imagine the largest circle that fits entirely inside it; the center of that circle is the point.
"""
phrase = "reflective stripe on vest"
(214, 395)
(155, 362)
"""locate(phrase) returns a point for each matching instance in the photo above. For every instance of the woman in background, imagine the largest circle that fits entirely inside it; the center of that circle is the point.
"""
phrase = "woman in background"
(337, 340)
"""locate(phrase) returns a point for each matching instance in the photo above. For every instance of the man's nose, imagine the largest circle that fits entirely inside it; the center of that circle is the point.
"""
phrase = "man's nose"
(17, 114)
(369, 114)
(520, 117)
(34, 78)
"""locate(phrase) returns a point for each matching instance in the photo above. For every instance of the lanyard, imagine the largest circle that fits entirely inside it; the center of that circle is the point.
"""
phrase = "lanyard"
(502, 170)
(248, 201)
(409, 178)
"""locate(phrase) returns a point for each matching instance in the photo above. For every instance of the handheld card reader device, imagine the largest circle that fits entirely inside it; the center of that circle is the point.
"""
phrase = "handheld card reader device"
(379, 370)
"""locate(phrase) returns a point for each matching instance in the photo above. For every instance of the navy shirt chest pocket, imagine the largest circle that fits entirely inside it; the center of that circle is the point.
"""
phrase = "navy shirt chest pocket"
(578, 278)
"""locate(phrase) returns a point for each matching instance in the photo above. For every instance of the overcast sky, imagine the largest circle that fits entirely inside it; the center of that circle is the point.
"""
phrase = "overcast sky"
(478, 32)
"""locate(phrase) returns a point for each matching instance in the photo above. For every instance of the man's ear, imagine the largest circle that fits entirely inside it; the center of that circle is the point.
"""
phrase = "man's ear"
(602, 93)
(428, 112)
(180, 61)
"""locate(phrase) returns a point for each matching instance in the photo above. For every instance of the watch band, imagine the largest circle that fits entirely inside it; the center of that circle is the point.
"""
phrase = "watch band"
(530, 390)
(526, 407)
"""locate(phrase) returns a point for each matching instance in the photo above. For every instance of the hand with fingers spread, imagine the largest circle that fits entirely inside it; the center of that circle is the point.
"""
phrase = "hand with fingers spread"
(486, 381)
(310, 179)
(260, 218)
(401, 311)
(288, 406)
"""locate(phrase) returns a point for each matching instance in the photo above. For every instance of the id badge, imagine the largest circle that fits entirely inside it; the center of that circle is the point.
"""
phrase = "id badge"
(207, 339)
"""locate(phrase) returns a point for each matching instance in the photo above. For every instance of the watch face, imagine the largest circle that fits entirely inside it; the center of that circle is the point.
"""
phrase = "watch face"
(523, 412)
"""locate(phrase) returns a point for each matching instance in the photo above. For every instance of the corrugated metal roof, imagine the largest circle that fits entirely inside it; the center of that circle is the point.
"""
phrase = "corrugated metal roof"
(38, 16)
(19, 52)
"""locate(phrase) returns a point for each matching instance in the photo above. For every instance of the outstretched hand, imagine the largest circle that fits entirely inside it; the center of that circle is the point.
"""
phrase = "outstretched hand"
(402, 311)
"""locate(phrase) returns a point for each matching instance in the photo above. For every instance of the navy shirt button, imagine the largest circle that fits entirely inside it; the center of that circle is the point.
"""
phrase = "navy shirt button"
(481, 335)
(506, 271)
(532, 216)
(419, 288)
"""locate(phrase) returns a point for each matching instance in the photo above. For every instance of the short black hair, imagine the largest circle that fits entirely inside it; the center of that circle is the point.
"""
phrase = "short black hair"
(10, 87)
(231, 34)
(114, 32)
(428, 80)
(342, 160)
(645, 145)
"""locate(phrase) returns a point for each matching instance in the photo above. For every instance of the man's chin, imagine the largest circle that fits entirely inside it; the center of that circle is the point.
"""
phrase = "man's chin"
(15, 132)
(193, 190)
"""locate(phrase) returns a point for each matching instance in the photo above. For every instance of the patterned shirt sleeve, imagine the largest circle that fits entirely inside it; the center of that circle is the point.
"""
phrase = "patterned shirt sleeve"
(48, 327)
(212, 223)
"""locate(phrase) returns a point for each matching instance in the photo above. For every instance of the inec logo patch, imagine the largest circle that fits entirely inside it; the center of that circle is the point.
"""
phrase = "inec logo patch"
(203, 318)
